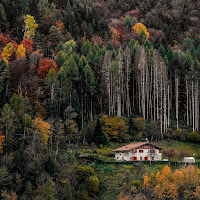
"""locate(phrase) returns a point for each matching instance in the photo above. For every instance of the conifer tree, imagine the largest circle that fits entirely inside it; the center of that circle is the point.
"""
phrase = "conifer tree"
(100, 137)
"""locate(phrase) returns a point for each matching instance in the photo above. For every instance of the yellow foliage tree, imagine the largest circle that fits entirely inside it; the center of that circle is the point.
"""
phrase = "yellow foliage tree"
(140, 123)
(30, 26)
(43, 129)
(114, 128)
(165, 184)
(166, 190)
(146, 181)
(7, 51)
(21, 51)
(139, 27)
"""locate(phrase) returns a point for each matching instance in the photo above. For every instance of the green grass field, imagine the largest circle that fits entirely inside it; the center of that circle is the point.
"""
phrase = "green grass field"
(111, 175)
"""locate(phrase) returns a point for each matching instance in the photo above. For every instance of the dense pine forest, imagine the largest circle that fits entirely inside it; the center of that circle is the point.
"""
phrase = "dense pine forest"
(83, 77)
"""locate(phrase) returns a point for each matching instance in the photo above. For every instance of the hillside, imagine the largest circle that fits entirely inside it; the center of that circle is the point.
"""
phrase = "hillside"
(85, 77)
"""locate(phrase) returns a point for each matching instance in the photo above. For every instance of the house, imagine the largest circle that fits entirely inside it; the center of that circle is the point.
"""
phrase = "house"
(138, 151)
(188, 160)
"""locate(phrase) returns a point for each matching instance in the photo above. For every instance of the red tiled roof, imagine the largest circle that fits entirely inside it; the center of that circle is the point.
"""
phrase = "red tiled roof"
(133, 146)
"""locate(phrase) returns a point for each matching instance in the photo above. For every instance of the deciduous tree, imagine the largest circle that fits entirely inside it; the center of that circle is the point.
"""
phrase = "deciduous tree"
(44, 67)
(21, 51)
(43, 129)
(30, 27)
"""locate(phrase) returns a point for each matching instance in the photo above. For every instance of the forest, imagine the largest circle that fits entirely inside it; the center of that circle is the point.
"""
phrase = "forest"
(79, 75)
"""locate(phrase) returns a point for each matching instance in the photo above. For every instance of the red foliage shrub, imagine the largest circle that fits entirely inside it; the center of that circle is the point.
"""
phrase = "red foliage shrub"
(134, 13)
(98, 40)
(4, 40)
(120, 33)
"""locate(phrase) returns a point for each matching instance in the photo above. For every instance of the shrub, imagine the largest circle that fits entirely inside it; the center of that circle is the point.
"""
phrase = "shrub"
(193, 136)
(184, 153)
(140, 123)
(93, 184)
(170, 153)
(177, 134)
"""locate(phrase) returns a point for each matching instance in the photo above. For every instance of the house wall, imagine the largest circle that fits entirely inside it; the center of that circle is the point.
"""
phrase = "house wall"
(128, 155)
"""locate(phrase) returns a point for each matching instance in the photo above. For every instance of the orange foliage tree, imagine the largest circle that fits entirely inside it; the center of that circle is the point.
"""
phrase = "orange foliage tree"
(43, 129)
(44, 67)
(114, 128)
(139, 27)
(2, 138)
(60, 26)
(21, 51)
(28, 44)
(181, 184)
(9, 196)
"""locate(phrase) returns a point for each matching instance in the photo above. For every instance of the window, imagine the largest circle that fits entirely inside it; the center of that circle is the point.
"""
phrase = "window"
(152, 151)
(140, 151)
(152, 158)
(134, 151)
(140, 157)
(134, 158)
(145, 158)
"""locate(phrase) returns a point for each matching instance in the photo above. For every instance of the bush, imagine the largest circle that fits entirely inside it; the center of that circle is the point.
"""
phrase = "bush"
(184, 153)
(193, 136)
(177, 134)
(93, 184)
(170, 152)
(140, 123)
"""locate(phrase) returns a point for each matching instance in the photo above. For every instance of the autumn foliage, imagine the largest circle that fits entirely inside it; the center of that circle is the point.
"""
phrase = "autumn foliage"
(4, 40)
(60, 26)
(30, 26)
(181, 184)
(44, 67)
(9, 196)
(28, 44)
(21, 51)
(7, 51)
(2, 137)
(139, 27)
(43, 129)
(114, 128)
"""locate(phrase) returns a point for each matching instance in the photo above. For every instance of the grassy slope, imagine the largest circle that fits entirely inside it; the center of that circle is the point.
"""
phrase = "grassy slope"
(178, 146)
(111, 175)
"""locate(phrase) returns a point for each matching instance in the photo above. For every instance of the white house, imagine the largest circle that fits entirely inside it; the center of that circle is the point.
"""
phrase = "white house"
(138, 151)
